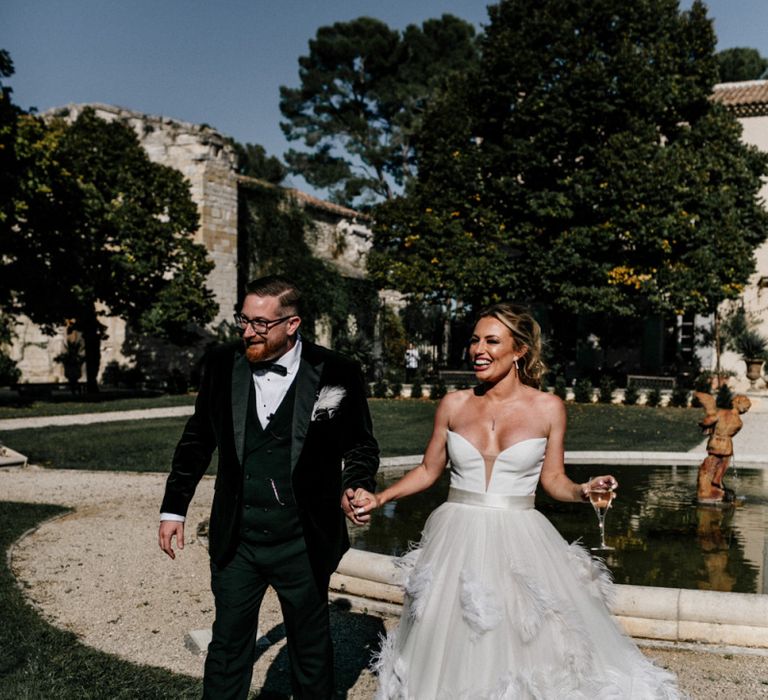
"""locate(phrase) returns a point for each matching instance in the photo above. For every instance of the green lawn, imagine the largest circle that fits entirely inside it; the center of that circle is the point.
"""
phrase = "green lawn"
(11, 407)
(38, 661)
(402, 427)
(637, 428)
(137, 445)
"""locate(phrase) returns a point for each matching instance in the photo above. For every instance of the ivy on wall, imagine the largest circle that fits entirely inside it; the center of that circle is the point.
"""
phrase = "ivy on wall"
(276, 236)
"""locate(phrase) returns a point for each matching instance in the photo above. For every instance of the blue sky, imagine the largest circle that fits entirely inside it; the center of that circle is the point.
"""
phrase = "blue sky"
(221, 63)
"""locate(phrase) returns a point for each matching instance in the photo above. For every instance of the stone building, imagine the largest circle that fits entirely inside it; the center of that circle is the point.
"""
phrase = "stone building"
(748, 101)
(208, 162)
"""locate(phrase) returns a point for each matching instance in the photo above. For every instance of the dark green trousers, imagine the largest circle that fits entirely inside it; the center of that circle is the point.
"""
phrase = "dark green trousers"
(238, 589)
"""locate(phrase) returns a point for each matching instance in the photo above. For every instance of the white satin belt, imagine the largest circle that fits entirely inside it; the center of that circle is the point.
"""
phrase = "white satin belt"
(490, 500)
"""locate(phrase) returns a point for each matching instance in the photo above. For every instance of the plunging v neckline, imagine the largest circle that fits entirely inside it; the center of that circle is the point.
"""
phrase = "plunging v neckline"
(496, 458)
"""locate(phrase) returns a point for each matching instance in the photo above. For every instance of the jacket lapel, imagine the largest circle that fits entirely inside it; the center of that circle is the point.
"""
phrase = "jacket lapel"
(241, 392)
(307, 382)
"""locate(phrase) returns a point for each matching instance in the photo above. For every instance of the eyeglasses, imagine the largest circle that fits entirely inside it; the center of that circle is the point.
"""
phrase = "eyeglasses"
(259, 325)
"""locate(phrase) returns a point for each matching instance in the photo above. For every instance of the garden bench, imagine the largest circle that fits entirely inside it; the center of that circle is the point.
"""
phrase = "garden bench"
(641, 381)
(453, 377)
(37, 390)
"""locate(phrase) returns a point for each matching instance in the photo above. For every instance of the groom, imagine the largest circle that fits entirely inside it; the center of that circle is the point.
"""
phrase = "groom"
(285, 414)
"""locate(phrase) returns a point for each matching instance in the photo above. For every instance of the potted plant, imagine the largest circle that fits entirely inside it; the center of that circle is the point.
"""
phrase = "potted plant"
(72, 358)
(753, 347)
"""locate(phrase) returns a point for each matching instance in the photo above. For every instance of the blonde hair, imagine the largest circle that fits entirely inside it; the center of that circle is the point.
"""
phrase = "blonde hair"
(526, 332)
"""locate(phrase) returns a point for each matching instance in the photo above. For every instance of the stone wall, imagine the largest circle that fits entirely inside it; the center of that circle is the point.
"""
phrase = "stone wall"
(342, 237)
(748, 102)
(208, 162)
(755, 295)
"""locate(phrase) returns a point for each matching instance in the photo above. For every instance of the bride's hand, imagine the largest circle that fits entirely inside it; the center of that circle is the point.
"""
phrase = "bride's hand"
(364, 502)
(607, 481)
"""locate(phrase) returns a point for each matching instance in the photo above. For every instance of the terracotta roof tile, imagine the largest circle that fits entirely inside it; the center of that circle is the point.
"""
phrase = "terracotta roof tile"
(745, 99)
(306, 199)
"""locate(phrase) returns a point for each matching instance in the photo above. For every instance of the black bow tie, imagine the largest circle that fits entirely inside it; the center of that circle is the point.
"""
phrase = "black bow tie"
(268, 366)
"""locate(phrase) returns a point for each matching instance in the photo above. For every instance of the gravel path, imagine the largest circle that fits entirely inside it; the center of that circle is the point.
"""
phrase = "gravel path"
(98, 572)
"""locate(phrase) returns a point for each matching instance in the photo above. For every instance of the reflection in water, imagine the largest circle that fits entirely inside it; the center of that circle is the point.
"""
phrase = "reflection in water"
(713, 533)
(661, 537)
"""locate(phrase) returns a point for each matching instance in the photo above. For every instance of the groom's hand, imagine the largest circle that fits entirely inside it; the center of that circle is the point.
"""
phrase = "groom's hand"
(349, 509)
(169, 528)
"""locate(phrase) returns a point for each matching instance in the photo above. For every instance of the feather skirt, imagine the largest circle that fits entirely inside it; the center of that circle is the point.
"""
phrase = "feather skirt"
(500, 607)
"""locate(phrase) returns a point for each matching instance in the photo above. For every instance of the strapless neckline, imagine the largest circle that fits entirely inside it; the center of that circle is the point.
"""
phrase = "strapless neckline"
(506, 449)
(488, 477)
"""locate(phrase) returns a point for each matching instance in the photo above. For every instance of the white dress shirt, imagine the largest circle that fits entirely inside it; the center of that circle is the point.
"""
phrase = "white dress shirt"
(271, 389)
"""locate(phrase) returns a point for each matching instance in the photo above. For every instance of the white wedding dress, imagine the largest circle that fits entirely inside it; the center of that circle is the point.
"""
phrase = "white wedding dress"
(499, 606)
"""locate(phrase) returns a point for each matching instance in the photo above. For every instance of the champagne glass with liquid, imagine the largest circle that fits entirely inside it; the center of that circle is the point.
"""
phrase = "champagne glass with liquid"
(600, 496)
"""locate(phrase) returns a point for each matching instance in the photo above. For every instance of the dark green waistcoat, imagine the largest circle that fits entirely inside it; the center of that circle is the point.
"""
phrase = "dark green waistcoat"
(269, 507)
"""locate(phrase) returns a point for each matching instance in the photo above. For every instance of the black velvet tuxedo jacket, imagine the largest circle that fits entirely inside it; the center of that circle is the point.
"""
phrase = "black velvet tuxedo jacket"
(321, 441)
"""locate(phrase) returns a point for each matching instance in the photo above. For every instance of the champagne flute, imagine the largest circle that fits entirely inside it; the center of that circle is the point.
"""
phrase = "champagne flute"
(600, 496)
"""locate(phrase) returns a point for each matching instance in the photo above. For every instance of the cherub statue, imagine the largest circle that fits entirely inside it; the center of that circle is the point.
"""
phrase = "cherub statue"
(721, 424)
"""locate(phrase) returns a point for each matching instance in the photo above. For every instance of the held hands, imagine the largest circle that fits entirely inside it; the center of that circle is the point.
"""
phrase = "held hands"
(599, 482)
(356, 513)
(358, 504)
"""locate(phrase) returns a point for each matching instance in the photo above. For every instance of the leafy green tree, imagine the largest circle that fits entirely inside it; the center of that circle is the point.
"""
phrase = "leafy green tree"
(363, 89)
(9, 115)
(581, 164)
(276, 236)
(253, 161)
(99, 229)
(740, 63)
(9, 170)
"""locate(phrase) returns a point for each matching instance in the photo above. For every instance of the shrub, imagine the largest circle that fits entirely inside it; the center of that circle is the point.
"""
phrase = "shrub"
(703, 382)
(751, 345)
(396, 388)
(417, 389)
(605, 393)
(631, 395)
(380, 388)
(653, 398)
(438, 389)
(123, 376)
(679, 397)
(176, 382)
(724, 398)
(582, 391)
(9, 372)
(561, 388)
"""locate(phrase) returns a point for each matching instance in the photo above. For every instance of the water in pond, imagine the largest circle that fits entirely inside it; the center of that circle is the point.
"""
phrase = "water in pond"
(660, 537)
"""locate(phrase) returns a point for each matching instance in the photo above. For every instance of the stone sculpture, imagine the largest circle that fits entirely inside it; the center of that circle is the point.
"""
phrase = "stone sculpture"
(721, 424)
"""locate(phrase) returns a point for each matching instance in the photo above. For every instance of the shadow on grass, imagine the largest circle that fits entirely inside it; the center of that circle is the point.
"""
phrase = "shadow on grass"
(39, 661)
(355, 640)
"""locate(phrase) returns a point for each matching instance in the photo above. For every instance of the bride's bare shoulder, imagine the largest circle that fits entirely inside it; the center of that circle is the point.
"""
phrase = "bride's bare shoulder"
(545, 400)
(455, 399)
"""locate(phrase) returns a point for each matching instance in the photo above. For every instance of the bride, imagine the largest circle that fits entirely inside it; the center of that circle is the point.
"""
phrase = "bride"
(497, 604)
